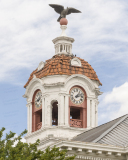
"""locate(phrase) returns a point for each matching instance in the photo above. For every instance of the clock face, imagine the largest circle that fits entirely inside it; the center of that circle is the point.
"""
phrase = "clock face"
(38, 99)
(77, 96)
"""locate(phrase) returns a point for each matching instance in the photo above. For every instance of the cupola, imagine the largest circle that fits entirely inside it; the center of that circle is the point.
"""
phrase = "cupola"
(62, 93)
(63, 43)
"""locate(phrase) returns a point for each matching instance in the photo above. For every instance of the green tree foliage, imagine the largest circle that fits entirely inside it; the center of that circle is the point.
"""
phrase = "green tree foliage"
(12, 148)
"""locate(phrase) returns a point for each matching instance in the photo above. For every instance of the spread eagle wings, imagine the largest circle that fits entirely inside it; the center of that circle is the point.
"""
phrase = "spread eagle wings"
(73, 10)
(57, 8)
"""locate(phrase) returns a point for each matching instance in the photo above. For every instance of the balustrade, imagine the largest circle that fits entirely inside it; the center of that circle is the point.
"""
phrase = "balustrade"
(39, 125)
(76, 123)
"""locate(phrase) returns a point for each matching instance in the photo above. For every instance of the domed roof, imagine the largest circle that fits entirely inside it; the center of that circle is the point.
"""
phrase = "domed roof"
(61, 65)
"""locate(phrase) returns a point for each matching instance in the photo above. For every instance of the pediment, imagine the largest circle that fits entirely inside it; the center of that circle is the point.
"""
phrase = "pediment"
(76, 62)
(41, 65)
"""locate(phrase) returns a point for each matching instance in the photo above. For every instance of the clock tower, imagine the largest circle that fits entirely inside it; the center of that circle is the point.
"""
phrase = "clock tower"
(62, 94)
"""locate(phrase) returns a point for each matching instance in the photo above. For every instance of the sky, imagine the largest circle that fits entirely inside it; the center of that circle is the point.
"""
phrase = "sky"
(27, 28)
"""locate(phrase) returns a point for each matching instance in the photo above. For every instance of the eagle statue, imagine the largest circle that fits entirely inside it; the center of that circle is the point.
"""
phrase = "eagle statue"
(63, 12)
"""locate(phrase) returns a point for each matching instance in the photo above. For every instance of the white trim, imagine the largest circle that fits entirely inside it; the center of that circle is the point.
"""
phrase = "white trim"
(33, 85)
(76, 62)
(86, 79)
(86, 146)
(41, 65)
(63, 38)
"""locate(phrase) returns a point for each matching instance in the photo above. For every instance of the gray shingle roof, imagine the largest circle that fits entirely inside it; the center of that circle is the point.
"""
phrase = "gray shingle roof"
(114, 133)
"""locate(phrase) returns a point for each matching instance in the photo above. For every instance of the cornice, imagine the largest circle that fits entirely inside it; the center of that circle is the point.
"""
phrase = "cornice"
(30, 135)
(94, 147)
(45, 95)
(87, 150)
(64, 94)
(98, 92)
(53, 84)
(63, 38)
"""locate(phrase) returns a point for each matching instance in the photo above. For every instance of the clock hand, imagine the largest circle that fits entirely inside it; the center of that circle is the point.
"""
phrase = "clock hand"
(38, 99)
(78, 95)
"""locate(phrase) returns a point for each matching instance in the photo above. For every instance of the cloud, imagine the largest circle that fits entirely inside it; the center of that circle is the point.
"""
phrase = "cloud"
(27, 28)
(114, 104)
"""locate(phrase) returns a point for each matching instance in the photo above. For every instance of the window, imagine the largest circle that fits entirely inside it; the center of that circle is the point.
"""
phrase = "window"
(74, 113)
(38, 119)
(75, 117)
(55, 114)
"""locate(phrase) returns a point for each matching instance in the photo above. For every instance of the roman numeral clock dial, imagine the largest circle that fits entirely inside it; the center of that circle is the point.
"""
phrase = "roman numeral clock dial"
(77, 96)
(38, 99)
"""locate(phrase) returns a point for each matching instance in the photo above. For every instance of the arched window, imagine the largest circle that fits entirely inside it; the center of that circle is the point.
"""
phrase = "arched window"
(78, 107)
(37, 111)
(55, 113)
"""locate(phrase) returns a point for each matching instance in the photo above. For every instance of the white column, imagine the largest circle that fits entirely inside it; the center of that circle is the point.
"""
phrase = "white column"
(93, 113)
(96, 113)
(43, 114)
(56, 50)
(30, 119)
(66, 110)
(62, 47)
(70, 48)
(50, 115)
(88, 113)
(59, 47)
(45, 111)
(61, 110)
(48, 118)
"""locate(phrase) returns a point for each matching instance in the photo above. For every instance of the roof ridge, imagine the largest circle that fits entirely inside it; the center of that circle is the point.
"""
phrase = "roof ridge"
(108, 130)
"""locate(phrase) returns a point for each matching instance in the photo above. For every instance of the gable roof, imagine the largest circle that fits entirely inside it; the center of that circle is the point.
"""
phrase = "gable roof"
(114, 132)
